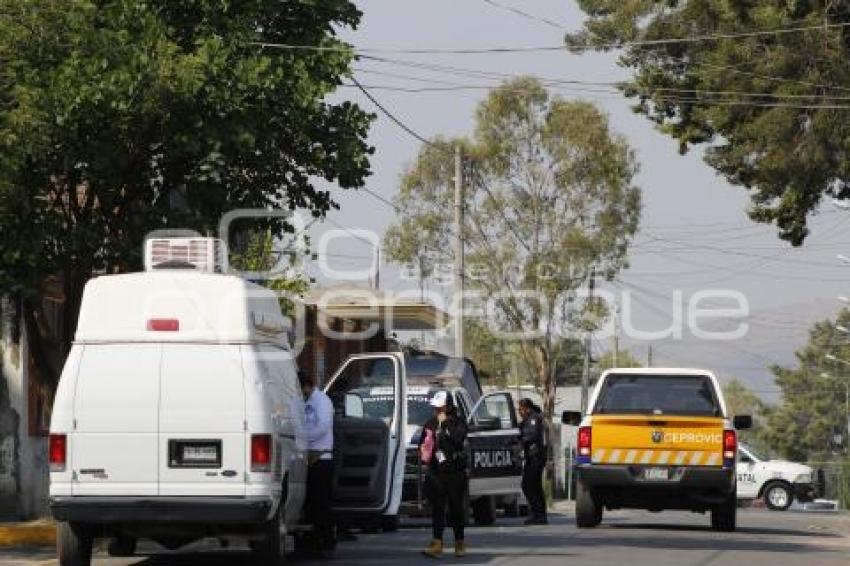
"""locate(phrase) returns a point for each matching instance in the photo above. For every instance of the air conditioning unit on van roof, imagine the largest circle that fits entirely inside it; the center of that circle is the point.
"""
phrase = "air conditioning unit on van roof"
(203, 254)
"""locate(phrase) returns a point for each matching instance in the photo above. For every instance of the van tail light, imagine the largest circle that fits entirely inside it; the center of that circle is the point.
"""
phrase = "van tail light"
(585, 441)
(730, 447)
(163, 325)
(261, 453)
(58, 452)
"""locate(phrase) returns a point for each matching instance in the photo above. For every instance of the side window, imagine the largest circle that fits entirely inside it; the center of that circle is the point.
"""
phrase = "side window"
(366, 389)
(462, 409)
(495, 412)
(744, 458)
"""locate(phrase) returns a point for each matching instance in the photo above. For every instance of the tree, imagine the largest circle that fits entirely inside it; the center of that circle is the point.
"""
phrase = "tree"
(625, 359)
(740, 400)
(770, 108)
(260, 253)
(118, 117)
(549, 203)
(813, 396)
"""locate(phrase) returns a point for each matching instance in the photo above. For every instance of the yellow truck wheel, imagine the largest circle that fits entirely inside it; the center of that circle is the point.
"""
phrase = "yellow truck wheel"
(588, 508)
(724, 516)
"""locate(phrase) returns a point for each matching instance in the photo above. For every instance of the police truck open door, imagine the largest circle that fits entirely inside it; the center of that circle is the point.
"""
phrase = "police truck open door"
(369, 393)
(495, 453)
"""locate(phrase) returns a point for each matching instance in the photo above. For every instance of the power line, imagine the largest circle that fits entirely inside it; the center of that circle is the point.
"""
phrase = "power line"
(672, 99)
(574, 47)
(387, 202)
(524, 14)
(615, 87)
(389, 114)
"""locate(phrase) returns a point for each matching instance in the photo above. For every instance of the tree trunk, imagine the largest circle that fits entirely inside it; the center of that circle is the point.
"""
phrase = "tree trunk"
(547, 380)
(38, 346)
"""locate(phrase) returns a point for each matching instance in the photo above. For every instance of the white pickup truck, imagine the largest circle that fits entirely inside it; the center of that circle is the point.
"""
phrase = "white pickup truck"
(778, 482)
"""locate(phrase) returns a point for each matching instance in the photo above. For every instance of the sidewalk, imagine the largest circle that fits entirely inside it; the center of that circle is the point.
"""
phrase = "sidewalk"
(28, 534)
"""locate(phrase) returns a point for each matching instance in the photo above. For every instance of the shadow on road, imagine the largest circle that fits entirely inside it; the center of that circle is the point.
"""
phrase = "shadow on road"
(768, 531)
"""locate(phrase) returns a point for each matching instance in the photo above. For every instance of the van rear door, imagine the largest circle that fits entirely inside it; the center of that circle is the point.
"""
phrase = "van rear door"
(369, 395)
(202, 446)
(114, 444)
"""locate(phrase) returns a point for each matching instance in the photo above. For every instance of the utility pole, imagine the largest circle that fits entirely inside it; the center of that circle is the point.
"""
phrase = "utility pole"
(459, 253)
(649, 357)
(588, 346)
(377, 268)
(616, 336)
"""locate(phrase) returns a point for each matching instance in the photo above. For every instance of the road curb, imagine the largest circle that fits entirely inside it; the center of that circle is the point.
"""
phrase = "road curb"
(35, 533)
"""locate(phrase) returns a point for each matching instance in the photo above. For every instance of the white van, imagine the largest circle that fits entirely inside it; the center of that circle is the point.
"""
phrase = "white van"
(178, 413)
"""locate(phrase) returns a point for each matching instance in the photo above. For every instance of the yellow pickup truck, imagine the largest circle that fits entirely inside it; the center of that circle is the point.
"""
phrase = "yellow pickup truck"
(656, 439)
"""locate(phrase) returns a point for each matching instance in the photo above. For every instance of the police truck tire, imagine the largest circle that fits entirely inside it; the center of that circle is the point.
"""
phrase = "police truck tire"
(390, 523)
(778, 496)
(122, 547)
(74, 544)
(588, 508)
(269, 549)
(724, 516)
(484, 510)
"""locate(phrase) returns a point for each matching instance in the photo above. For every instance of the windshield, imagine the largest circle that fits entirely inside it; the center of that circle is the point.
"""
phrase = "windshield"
(658, 395)
(419, 410)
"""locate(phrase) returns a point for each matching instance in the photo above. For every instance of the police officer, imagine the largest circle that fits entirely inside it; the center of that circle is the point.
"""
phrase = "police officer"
(443, 448)
(319, 418)
(534, 446)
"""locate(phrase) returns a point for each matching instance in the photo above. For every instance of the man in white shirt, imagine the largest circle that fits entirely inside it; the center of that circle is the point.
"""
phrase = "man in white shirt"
(319, 428)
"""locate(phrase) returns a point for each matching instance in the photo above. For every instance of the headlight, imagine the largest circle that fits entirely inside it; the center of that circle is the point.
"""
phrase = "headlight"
(803, 478)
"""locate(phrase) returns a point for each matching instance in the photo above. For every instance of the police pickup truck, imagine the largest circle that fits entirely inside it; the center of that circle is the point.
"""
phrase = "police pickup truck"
(495, 450)
(778, 482)
(657, 439)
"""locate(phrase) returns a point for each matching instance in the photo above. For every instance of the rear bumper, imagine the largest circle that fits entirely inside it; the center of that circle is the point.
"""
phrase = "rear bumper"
(161, 510)
(693, 488)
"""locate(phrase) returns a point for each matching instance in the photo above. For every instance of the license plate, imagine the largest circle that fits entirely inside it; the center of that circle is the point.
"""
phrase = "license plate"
(656, 474)
(200, 454)
(194, 453)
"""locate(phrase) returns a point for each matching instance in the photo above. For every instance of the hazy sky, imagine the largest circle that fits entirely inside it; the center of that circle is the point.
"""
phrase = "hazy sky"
(695, 233)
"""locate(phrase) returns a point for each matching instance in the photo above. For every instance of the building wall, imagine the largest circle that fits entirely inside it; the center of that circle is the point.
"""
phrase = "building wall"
(23, 456)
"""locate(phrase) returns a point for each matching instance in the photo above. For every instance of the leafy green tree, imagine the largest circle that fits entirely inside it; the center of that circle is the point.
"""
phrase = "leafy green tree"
(740, 400)
(549, 200)
(763, 105)
(260, 253)
(625, 359)
(813, 409)
(118, 117)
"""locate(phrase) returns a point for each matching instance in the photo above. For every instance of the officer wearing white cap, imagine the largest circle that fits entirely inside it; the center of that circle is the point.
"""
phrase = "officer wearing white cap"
(443, 449)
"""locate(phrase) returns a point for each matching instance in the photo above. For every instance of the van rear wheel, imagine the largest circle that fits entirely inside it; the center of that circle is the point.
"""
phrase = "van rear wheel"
(588, 508)
(74, 544)
(270, 549)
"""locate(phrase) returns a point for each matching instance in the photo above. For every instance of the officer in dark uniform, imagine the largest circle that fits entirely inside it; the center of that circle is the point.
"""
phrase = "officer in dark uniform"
(443, 447)
(534, 446)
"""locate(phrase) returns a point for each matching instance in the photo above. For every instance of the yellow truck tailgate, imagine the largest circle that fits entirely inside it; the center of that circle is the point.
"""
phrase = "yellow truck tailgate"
(657, 440)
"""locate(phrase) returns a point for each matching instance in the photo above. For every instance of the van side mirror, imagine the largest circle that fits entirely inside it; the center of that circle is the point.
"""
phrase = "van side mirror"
(354, 406)
(571, 418)
(742, 422)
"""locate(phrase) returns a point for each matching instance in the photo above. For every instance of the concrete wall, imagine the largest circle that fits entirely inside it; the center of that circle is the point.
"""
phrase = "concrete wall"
(23, 458)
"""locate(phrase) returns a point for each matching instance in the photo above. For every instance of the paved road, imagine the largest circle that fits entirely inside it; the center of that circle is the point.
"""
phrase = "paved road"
(628, 538)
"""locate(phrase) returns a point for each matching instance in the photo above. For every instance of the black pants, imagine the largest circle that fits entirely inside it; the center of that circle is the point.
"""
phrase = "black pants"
(532, 485)
(447, 491)
(318, 503)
